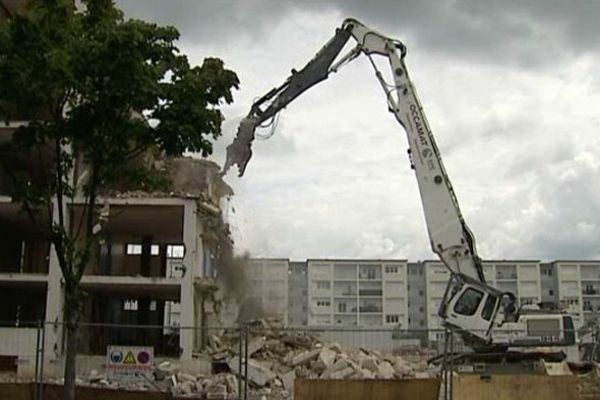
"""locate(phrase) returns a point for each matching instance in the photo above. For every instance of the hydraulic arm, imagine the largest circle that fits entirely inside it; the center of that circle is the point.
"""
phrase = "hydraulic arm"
(469, 304)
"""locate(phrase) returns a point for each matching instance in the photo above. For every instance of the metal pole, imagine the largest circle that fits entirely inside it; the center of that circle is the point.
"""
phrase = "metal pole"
(43, 350)
(36, 395)
(451, 363)
(246, 362)
(240, 350)
(445, 365)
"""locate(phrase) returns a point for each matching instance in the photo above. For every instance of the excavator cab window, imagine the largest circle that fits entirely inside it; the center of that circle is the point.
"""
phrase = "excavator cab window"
(468, 303)
(489, 307)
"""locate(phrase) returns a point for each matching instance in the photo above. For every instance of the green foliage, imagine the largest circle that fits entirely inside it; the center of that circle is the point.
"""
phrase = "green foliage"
(81, 77)
(102, 89)
(98, 91)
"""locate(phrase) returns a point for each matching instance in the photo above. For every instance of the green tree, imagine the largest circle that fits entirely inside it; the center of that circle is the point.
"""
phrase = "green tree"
(98, 90)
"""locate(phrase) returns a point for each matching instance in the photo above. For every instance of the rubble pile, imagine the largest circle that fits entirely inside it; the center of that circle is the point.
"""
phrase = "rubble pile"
(276, 357)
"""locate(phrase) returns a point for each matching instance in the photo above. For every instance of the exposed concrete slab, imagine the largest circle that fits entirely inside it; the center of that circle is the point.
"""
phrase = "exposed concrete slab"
(305, 357)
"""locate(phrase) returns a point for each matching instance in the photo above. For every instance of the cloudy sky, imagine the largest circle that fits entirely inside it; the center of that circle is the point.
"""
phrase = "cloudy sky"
(511, 90)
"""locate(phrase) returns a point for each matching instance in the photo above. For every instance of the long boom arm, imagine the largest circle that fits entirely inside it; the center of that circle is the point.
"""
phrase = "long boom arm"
(469, 304)
(450, 237)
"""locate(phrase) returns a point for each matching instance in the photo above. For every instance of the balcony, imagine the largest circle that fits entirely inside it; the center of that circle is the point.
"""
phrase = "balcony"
(370, 306)
(369, 272)
(591, 290)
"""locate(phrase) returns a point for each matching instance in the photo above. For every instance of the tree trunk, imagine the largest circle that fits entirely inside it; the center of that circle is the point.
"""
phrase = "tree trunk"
(71, 329)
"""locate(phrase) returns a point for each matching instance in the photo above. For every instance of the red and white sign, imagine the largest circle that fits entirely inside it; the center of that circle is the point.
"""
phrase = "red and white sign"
(129, 363)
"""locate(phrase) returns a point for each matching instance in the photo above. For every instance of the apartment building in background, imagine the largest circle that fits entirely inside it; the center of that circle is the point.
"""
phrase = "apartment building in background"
(549, 285)
(365, 293)
(521, 277)
(155, 265)
(417, 298)
(407, 295)
(578, 288)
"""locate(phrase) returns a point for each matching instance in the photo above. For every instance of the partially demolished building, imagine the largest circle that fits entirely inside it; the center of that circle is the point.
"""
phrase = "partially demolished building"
(155, 265)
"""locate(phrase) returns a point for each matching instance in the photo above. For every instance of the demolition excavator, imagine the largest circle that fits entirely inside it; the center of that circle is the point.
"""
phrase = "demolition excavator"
(485, 317)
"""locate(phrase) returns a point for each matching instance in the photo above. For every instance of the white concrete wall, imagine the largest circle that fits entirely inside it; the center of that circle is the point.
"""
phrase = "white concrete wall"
(436, 279)
(568, 275)
(22, 343)
(192, 262)
(395, 294)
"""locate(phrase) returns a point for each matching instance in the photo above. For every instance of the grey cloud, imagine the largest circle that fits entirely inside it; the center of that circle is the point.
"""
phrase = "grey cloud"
(207, 20)
(524, 33)
(555, 214)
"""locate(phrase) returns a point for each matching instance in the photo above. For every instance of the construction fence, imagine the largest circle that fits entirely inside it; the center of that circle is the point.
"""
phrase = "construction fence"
(257, 360)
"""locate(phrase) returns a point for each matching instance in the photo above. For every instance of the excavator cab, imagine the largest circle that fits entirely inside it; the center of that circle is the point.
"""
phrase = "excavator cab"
(470, 306)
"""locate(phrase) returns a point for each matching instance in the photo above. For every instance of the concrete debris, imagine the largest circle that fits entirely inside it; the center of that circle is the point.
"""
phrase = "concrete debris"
(370, 363)
(342, 374)
(385, 370)
(276, 358)
(326, 356)
(335, 347)
(216, 391)
(288, 380)
(255, 345)
(305, 357)
(339, 365)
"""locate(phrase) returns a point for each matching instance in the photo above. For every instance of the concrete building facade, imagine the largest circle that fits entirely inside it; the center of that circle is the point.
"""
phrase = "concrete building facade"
(578, 289)
(521, 277)
(155, 264)
(366, 293)
(417, 298)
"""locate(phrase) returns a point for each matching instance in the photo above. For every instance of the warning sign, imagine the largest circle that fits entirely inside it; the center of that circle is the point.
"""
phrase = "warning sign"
(129, 363)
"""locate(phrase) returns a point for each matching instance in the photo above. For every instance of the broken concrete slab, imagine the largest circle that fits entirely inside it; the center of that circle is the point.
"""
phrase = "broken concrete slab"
(254, 345)
(216, 391)
(288, 380)
(370, 363)
(231, 382)
(336, 366)
(343, 373)
(326, 356)
(335, 347)
(366, 374)
(185, 377)
(188, 387)
(257, 374)
(385, 370)
(402, 369)
(317, 366)
(305, 357)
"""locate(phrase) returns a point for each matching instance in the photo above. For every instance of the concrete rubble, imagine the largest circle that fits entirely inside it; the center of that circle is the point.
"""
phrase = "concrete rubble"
(276, 357)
